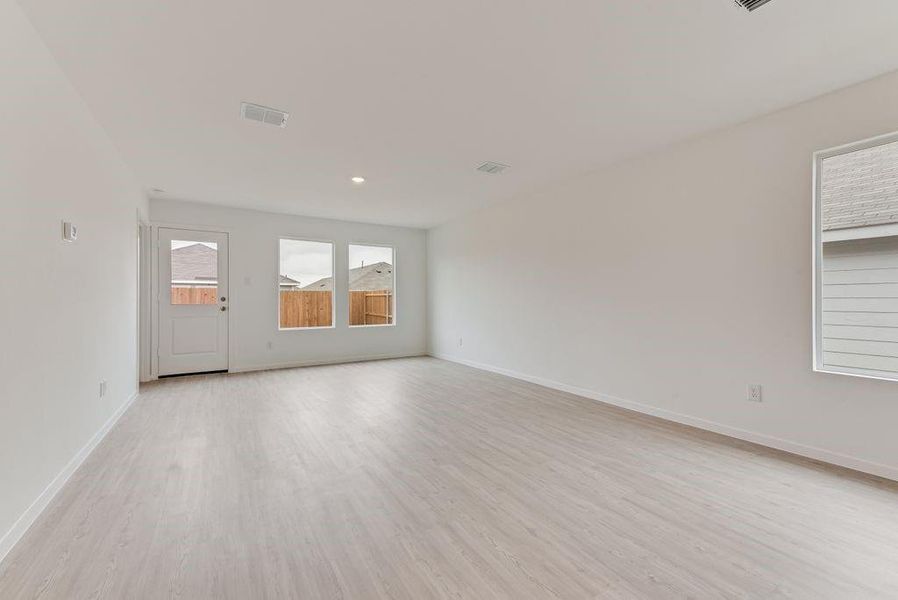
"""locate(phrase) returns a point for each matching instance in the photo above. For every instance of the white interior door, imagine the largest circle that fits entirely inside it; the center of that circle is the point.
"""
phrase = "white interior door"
(193, 301)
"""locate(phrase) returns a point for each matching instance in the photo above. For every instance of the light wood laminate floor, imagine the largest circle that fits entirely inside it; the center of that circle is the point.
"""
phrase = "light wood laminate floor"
(421, 479)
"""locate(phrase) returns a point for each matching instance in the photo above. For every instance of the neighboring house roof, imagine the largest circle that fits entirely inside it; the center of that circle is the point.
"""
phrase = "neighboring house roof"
(378, 276)
(197, 262)
(284, 280)
(860, 189)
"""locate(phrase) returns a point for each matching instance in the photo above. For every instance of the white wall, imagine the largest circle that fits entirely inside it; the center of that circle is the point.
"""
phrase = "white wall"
(671, 281)
(253, 251)
(68, 310)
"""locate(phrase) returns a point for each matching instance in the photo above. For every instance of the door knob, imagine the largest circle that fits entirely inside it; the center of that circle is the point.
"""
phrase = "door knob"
(224, 308)
(223, 299)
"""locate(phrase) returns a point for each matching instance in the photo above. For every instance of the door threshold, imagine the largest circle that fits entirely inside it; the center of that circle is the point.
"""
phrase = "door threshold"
(192, 374)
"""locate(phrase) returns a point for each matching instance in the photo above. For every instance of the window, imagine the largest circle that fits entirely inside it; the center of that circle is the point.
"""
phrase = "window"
(306, 284)
(194, 272)
(856, 259)
(371, 283)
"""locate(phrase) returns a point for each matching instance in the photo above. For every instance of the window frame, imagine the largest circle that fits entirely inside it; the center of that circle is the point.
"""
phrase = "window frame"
(277, 283)
(817, 258)
(395, 287)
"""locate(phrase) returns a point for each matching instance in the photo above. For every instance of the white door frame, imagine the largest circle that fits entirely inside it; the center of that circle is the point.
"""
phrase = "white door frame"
(153, 301)
(144, 299)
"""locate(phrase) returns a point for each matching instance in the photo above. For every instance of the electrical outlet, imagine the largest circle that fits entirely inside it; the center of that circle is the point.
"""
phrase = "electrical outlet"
(102, 388)
(753, 393)
(460, 342)
(269, 345)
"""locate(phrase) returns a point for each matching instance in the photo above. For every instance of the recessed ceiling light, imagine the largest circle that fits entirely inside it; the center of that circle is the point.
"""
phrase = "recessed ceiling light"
(358, 179)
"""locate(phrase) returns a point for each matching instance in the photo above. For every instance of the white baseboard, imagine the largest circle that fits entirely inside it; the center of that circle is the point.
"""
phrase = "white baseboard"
(821, 454)
(15, 533)
(318, 363)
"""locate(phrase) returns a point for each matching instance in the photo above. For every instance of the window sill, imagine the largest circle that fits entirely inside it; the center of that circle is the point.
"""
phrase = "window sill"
(860, 374)
(306, 328)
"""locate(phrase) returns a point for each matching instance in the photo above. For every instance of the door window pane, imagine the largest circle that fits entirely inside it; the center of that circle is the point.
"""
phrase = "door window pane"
(194, 272)
(306, 284)
(371, 277)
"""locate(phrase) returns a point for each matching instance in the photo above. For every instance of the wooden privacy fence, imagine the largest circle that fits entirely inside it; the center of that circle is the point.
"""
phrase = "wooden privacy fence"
(194, 295)
(306, 309)
(371, 307)
(302, 308)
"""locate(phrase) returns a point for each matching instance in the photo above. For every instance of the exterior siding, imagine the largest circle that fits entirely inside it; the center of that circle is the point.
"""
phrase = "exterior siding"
(860, 305)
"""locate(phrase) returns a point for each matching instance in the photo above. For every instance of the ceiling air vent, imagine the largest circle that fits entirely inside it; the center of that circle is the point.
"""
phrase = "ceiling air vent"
(493, 168)
(263, 114)
(752, 4)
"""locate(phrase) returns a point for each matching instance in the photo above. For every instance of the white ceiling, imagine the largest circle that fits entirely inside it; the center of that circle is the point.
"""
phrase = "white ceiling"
(414, 94)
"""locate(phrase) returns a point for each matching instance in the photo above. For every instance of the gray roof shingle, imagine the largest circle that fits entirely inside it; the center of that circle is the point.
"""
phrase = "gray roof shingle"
(197, 262)
(378, 276)
(860, 188)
